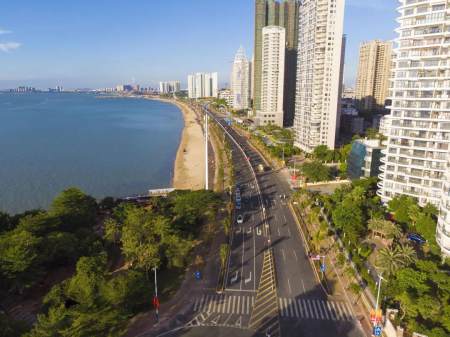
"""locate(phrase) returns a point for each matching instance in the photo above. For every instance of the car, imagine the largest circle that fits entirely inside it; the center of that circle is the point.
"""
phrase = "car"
(238, 205)
(414, 237)
(240, 219)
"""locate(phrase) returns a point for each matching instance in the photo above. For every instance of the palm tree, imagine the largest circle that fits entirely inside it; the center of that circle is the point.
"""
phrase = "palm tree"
(390, 260)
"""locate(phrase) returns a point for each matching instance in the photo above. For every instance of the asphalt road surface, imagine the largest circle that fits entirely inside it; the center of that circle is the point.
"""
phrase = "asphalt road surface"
(271, 288)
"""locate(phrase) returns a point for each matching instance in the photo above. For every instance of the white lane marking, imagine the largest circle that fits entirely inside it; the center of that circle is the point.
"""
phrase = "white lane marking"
(303, 285)
(235, 277)
(196, 304)
(336, 310)
(284, 255)
(210, 304)
(294, 304)
(331, 311)
(242, 260)
(284, 217)
(306, 309)
(289, 232)
(248, 279)
(289, 285)
(300, 308)
(296, 257)
(278, 231)
(320, 310)
(310, 309)
(325, 310)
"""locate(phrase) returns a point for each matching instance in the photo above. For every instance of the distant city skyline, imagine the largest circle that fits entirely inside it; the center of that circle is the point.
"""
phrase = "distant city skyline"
(50, 43)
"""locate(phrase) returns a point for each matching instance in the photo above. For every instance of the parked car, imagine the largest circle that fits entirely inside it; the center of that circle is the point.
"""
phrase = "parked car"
(240, 219)
(238, 205)
(414, 237)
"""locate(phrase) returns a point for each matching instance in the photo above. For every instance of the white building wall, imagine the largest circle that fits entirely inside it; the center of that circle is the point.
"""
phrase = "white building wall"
(272, 80)
(318, 73)
(240, 81)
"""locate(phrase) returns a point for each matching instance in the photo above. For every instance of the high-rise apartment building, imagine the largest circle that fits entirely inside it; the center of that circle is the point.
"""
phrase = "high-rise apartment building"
(419, 135)
(284, 14)
(240, 81)
(169, 87)
(272, 80)
(319, 73)
(201, 85)
(374, 70)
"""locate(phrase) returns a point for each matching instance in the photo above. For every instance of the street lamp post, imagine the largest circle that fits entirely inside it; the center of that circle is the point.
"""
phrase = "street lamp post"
(155, 299)
(380, 278)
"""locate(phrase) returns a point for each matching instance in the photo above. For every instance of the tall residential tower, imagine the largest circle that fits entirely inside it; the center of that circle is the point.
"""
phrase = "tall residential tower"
(240, 81)
(419, 135)
(284, 14)
(272, 81)
(374, 70)
(319, 73)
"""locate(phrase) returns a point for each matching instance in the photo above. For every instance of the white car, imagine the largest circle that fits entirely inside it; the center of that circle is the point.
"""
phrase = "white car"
(240, 219)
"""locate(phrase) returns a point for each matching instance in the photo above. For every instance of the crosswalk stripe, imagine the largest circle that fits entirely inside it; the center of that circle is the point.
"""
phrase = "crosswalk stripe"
(280, 301)
(311, 311)
(336, 310)
(350, 315)
(324, 309)
(211, 300)
(333, 317)
(300, 307)
(201, 303)
(229, 304)
(248, 305)
(306, 309)
(196, 304)
(294, 304)
(289, 307)
(346, 311)
(233, 305)
(344, 314)
(238, 304)
(215, 301)
(286, 313)
(317, 303)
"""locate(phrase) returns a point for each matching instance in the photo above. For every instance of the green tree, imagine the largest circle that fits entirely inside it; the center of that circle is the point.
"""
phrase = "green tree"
(5, 222)
(224, 250)
(390, 260)
(112, 230)
(322, 153)
(40, 223)
(400, 206)
(384, 227)
(85, 285)
(19, 259)
(316, 171)
(75, 209)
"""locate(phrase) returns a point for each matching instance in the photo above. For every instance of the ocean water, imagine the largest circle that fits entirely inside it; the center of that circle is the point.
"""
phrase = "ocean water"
(105, 146)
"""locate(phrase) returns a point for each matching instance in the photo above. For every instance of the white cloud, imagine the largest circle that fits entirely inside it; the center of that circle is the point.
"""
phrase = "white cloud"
(4, 31)
(8, 46)
(372, 4)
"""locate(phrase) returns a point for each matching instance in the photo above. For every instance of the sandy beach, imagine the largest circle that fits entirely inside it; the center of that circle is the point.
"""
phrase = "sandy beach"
(189, 167)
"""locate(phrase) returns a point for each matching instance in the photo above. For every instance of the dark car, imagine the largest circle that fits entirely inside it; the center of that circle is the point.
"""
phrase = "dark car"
(414, 237)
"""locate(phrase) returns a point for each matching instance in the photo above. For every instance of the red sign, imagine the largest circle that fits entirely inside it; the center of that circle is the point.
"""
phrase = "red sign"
(155, 302)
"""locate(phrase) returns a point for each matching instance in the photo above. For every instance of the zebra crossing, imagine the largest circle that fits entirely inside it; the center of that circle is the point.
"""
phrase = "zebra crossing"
(314, 309)
(225, 304)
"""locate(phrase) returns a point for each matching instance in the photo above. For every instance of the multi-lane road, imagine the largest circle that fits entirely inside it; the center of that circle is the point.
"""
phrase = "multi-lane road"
(271, 288)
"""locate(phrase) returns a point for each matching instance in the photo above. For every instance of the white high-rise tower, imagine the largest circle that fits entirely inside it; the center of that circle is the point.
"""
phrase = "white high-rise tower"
(319, 74)
(272, 79)
(419, 136)
(240, 81)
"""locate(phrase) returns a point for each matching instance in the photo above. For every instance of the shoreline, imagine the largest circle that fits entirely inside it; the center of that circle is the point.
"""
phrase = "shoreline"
(189, 163)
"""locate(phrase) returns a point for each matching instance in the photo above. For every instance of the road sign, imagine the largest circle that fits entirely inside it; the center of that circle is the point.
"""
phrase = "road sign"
(198, 275)
(315, 257)
(322, 267)
(377, 331)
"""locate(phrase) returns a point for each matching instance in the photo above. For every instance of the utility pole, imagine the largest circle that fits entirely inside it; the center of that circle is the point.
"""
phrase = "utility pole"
(155, 299)
(206, 152)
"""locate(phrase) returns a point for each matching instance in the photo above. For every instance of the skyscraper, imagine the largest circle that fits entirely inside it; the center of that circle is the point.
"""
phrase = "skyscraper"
(374, 70)
(202, 85)
(283, 14)
(240, 81)
(319, 73)
(272, 81)
(419, 136)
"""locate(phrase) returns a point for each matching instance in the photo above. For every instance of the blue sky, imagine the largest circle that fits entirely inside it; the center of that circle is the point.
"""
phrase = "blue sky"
(96, 43)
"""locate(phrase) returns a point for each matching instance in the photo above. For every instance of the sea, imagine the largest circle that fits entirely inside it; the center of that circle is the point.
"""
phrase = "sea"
(106, 146)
